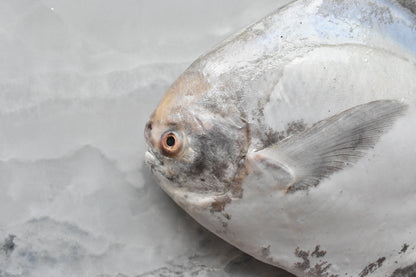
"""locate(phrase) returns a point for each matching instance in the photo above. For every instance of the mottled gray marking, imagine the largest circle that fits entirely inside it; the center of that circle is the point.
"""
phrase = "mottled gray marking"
(318, 253)
(8, 245)
(404, 248)
(408, 4)
(219, 204)
(409, 271)
(372, 267)
(319, 269)
(295, 127)
(304, 255)
(211, 145)
(292, 128)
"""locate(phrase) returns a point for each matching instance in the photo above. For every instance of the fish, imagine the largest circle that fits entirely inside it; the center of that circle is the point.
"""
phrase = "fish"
(294, 139)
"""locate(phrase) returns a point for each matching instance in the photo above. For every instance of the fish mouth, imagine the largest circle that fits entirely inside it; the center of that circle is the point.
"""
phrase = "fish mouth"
(150, 159)
(154, 164)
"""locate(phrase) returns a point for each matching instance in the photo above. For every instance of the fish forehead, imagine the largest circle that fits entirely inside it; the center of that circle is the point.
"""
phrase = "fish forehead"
(181, 94)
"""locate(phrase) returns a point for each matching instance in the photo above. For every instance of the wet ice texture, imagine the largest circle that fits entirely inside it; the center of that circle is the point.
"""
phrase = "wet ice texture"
(78, 80)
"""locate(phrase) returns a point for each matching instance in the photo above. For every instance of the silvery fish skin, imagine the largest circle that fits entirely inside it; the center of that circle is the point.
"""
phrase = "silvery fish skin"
(294, 139)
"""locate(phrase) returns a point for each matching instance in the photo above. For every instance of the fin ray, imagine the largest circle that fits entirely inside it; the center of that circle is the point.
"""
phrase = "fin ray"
(333, 143)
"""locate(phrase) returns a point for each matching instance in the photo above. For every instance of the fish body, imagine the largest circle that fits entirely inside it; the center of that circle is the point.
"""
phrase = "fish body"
(294, 139)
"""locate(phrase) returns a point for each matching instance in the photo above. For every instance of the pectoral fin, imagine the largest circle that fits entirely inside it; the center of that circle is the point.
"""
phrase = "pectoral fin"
(301, 161)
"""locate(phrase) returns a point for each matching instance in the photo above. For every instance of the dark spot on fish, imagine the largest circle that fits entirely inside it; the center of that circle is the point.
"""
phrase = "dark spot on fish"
(320, 269)
(219, 168)
(381, 261)
(265, 251)
(148, 130)
(295, 127)
(198, 166)
(202, 180)
(227, 216)
(404, 248)
(216, 154)
(292, 128)
(8, 245)
(219, 204)
(372, 267)
(271, 137)
(304, 255)
(409, 271)
(318, 253)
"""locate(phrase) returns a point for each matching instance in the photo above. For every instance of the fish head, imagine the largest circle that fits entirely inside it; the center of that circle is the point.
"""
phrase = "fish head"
(195, 152)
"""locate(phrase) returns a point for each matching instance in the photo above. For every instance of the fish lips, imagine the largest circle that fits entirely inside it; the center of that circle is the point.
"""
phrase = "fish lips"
(155, 165)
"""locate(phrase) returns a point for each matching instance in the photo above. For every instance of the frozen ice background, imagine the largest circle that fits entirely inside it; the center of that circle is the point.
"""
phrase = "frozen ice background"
(78, 80)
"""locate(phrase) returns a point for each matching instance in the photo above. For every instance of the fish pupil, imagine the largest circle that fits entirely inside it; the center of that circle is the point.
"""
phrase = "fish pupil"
(170, 141)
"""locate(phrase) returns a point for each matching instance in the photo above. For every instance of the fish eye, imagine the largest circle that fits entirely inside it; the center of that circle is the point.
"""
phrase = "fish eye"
(170, 144)
(170, 141)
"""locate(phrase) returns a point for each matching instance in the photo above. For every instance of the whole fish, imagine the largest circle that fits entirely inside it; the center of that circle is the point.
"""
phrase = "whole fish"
(295, 139)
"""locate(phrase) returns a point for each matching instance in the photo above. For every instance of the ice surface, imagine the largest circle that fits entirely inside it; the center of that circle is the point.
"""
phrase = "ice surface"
(78, 80)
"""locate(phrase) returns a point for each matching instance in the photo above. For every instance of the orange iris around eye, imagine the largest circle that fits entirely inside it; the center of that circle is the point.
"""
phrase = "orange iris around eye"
(170, 144)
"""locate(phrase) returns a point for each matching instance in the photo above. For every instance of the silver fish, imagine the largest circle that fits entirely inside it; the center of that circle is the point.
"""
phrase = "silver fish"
(294, 139)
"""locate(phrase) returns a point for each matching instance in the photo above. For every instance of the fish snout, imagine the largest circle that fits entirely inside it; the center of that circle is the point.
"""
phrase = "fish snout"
(149, 158)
